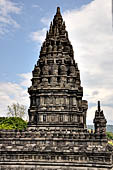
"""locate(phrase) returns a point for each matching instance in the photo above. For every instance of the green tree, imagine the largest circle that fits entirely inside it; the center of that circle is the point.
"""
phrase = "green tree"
(17, 110)
(12, 123)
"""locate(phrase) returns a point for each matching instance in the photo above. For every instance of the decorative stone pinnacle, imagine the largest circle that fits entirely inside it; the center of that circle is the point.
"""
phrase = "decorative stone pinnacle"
(46, 34)
(58, 10)
(99, 106)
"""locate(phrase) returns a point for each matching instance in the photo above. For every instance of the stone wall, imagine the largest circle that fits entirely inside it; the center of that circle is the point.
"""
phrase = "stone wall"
(37, 149)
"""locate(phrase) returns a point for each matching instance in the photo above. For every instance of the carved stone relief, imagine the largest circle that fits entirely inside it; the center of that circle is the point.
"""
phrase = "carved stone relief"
(45, 70)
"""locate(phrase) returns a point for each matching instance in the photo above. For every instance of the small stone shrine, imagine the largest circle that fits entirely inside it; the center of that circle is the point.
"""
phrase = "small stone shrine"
(57, 137)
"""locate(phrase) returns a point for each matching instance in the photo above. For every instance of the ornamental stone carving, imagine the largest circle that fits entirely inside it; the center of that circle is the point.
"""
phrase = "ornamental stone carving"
(72, 71)
(36, 72)
(54, 69)
(45, 70)
(63, 70)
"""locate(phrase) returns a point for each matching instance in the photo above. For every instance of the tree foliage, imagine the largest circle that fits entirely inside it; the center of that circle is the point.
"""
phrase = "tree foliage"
(12, 123)
(110, 135)
(17, 110)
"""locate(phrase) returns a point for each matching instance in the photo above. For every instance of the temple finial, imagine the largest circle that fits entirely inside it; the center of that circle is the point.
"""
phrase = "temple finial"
(99, 106)
(58, 10)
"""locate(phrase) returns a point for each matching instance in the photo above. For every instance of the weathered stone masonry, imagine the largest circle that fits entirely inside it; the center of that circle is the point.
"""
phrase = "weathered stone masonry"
(57, 137)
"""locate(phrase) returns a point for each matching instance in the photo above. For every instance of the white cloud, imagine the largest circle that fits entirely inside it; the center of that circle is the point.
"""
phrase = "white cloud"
(38, 36)
(91, 34)
(90, 31)
(7, 8)
(37, 6)
(46, 21)
(26, 79)
(14, 93)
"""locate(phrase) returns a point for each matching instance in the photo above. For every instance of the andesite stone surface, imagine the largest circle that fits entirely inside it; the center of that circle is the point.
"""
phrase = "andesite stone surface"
(57, 137)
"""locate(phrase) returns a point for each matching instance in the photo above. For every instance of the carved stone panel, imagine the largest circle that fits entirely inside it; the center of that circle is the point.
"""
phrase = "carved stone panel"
(55, 69)
(72, 70)
(45, 70)
(63, 70)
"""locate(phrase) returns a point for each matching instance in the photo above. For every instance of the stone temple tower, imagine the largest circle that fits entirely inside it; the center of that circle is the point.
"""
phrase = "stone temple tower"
(57, 137)
(99, 120)
(56, 92)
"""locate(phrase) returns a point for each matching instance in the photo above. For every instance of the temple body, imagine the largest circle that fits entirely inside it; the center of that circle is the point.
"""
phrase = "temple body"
(56, 92)
(57, 137)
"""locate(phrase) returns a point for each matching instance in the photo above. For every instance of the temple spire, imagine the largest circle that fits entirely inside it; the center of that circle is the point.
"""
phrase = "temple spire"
(57, 37)
(99, 106)
(58, 10)
(99, 120)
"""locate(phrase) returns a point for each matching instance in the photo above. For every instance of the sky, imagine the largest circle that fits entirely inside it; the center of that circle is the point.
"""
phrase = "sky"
(23, 25)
